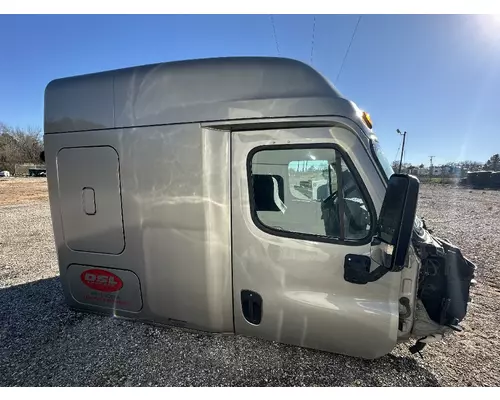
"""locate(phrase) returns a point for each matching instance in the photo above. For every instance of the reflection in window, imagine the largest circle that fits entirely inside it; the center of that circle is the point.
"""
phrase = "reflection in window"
(311, 179)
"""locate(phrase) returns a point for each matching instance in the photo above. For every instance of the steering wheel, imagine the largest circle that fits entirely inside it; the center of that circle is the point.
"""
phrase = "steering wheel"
(329, 208)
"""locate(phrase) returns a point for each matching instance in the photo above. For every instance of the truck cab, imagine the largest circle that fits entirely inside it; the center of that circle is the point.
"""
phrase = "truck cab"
(242, 195)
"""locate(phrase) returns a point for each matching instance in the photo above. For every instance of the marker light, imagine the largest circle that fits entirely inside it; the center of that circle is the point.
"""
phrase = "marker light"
(367, 119)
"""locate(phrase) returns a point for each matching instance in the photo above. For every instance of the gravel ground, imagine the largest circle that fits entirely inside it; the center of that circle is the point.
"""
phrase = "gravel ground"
(21, 190)
(43, 343)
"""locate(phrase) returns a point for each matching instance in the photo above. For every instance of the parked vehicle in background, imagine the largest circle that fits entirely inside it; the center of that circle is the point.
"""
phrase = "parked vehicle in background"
(37, 172)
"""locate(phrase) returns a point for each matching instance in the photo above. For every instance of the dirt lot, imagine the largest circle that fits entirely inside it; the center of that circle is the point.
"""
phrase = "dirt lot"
(22, 190)
(44, 343)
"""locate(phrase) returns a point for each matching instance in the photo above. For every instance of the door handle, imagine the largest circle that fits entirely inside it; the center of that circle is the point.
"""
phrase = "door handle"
(251, 306)
(88, 196)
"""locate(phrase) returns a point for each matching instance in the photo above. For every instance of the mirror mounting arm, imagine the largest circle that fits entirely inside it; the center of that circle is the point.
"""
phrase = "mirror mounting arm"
(361, 278)
(378, 273)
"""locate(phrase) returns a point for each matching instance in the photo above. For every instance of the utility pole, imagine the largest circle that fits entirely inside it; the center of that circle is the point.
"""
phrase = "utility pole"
(430, 168)
(402, 149)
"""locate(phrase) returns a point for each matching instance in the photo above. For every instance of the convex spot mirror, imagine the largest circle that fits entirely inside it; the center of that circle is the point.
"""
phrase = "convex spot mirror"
(395, 225)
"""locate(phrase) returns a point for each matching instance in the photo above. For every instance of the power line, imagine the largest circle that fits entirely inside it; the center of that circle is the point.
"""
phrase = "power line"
(275, 36)
(348, 48)
(312, 39)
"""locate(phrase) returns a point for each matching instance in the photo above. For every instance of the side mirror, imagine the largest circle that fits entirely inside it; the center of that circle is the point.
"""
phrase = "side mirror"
(396, 221)
(42, 156)
(392, 239)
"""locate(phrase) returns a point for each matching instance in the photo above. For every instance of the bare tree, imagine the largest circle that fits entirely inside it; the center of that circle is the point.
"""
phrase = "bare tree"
(493, 164)
(19, 146)
(469, 165)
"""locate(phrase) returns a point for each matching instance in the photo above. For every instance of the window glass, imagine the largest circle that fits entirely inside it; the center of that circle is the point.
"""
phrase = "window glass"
(311, 179)
(381, 159)
(296, 191)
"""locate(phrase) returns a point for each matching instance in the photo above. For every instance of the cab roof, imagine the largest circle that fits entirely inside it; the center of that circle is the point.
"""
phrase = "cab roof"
(203, 90)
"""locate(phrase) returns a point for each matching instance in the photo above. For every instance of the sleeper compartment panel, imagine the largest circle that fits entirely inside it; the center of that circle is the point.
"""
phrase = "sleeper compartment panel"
(90, 198)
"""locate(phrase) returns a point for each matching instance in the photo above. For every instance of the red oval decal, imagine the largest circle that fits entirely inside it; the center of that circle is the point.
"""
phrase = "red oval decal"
(101, 280)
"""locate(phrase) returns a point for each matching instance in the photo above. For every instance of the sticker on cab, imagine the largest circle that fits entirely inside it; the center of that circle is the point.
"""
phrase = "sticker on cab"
(101, 280)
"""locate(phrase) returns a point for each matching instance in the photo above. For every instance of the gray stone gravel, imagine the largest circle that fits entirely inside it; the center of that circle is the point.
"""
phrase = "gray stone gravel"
(470, 219)
(43, 343)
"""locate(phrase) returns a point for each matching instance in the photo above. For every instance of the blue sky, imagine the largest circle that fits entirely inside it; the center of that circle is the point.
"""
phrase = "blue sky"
(437, 77)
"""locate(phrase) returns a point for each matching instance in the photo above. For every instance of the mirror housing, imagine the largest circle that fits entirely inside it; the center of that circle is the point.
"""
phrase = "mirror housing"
(42, 156)
(393, 234)
(395, 225)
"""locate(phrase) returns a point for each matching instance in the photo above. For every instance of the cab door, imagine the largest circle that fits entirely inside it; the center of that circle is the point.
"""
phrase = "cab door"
(304, 203)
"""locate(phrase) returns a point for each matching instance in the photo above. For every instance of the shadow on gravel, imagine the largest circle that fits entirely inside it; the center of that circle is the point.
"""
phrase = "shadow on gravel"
(44, 343)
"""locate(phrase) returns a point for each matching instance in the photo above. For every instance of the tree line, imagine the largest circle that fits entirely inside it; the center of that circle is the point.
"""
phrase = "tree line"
(19, 146)
(492, 164)
(23, 146)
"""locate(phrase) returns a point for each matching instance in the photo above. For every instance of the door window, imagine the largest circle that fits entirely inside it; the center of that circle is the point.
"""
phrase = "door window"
(295, 192)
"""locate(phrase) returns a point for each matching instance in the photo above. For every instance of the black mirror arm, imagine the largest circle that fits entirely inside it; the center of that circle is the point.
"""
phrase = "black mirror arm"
(362, 278)
(377, 273)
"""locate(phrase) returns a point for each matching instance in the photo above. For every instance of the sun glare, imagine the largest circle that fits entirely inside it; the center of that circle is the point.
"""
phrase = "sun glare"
(488, 28)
